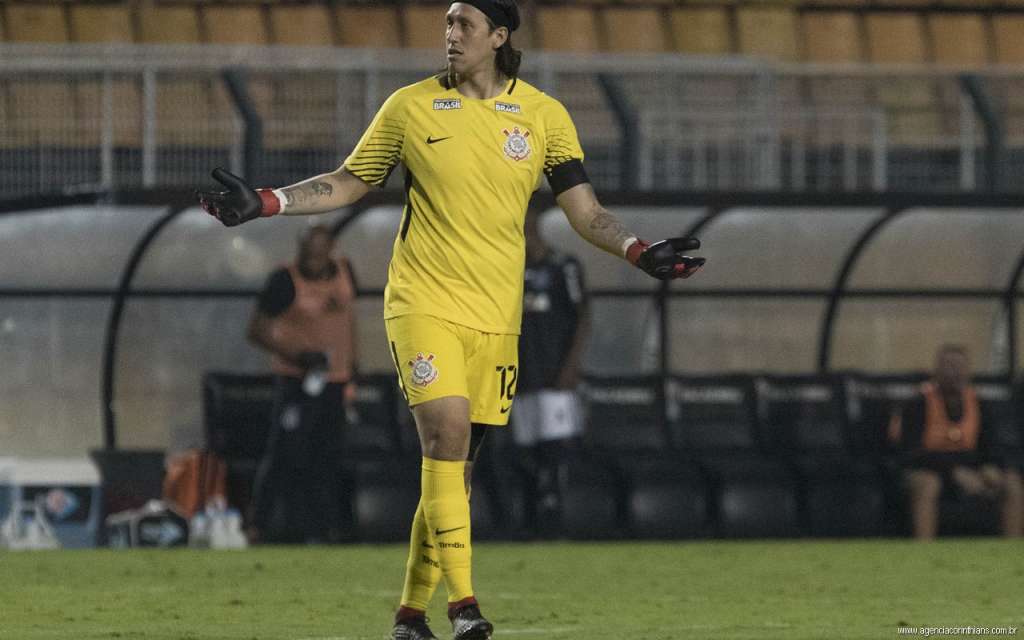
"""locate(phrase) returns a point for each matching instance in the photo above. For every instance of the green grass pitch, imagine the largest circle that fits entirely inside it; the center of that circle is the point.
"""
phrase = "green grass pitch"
(622, 591)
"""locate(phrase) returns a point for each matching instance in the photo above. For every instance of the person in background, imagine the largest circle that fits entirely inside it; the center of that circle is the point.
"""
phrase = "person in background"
(556, 321)
(305, 320)
(939, 432)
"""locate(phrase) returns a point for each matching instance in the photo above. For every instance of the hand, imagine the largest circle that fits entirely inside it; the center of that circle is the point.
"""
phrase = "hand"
(240, 203)
(311, 360)
(664, 259)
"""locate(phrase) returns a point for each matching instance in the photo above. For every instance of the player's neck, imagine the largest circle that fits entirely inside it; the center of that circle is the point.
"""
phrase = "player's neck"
(483, 84)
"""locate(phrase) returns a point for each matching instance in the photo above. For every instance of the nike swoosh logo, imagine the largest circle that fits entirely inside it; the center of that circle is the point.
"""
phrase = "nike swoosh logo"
(506, 409)
(429, 546)
(431, 140)
(441, 532)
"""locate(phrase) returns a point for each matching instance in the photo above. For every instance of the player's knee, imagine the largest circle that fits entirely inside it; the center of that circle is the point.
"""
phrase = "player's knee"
(443, 427)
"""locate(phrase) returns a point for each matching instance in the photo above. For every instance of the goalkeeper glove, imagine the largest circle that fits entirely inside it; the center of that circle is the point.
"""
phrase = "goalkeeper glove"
(664, 259)
(240, 203)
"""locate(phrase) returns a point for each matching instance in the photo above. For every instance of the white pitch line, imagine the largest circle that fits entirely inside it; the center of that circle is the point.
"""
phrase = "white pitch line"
(537, 630)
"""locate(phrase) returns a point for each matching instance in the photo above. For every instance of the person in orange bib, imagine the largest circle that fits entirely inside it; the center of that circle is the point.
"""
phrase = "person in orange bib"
(305, 320)
(940, 431)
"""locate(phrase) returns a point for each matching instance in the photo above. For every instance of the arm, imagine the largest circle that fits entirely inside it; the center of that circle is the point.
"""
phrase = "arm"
(369, 164)
(593, 222)
(326, 192)
(598, 226)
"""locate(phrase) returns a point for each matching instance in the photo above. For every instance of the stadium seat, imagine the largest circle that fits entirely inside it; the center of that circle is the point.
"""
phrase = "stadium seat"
(97, 24)
(384, 499)
(911, 103)
(301, 25)
(701, 30)
(235, 24)
(180, 102)
(802, 414)
(1008, 41)
(423, 26)
(831, 37)
(625, 414)
(768, 32)
(749, 508)
(665, 494)
(42, 113)
(959, 39)
(374, 431)
(237, 413)
(712, 414)
(1008, 45)
(1003, 437)
(591, 502)
(634, 29)
(871, 401)
(834, 37)
(36, 22)
(714, 420)
(168, 24)
(667, 501)
(368, 26)
(567, 28)
(101, 23)
(804, 419)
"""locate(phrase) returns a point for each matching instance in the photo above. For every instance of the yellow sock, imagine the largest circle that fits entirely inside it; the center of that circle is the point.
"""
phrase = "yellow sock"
(446, 507)
(423, 569)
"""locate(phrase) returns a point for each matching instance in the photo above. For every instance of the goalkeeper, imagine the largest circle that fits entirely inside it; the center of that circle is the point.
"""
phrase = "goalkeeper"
(474, 141)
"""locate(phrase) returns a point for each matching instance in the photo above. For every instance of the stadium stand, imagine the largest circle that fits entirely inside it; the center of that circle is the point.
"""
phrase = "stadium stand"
(368, 26)
(804, 419)
(715, 420)
(100, 24)
(423, 26)
(567, 28)
(636, 29)
(899, 38)
(301, 25)
(701, 30)
(768, 32)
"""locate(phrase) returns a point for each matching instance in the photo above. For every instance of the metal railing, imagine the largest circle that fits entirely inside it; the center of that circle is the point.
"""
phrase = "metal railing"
(114, 116)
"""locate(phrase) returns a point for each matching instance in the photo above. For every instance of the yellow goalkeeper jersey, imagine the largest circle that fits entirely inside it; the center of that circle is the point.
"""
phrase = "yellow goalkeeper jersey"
(471, 166)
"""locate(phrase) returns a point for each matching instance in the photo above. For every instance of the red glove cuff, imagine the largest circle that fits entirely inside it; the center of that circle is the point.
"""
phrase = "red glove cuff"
(635, 249)
(271, 205)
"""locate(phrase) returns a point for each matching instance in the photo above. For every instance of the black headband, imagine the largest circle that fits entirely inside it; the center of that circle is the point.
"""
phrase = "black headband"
(502, 14)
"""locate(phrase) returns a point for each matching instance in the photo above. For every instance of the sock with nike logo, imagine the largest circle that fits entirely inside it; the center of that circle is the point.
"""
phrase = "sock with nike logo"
(423, 569)
(446, 508)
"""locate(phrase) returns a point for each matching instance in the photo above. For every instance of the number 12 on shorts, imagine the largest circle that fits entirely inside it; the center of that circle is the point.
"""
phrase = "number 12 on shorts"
(507, 386)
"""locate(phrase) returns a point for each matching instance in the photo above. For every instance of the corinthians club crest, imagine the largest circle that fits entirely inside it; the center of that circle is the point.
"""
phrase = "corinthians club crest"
(423, 370)
(516, 146)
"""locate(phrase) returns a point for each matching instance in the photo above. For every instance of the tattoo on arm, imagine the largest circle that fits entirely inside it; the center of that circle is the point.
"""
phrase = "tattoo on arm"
(307, 193)
(607, 232)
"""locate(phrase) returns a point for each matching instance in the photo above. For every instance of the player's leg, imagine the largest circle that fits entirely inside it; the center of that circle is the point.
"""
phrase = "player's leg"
(1013, 503)
(924, 487)
(491, 377)
(430, 362)
(559, 423)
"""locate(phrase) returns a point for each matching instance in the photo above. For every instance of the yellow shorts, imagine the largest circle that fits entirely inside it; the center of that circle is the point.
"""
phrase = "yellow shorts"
(436, 358)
